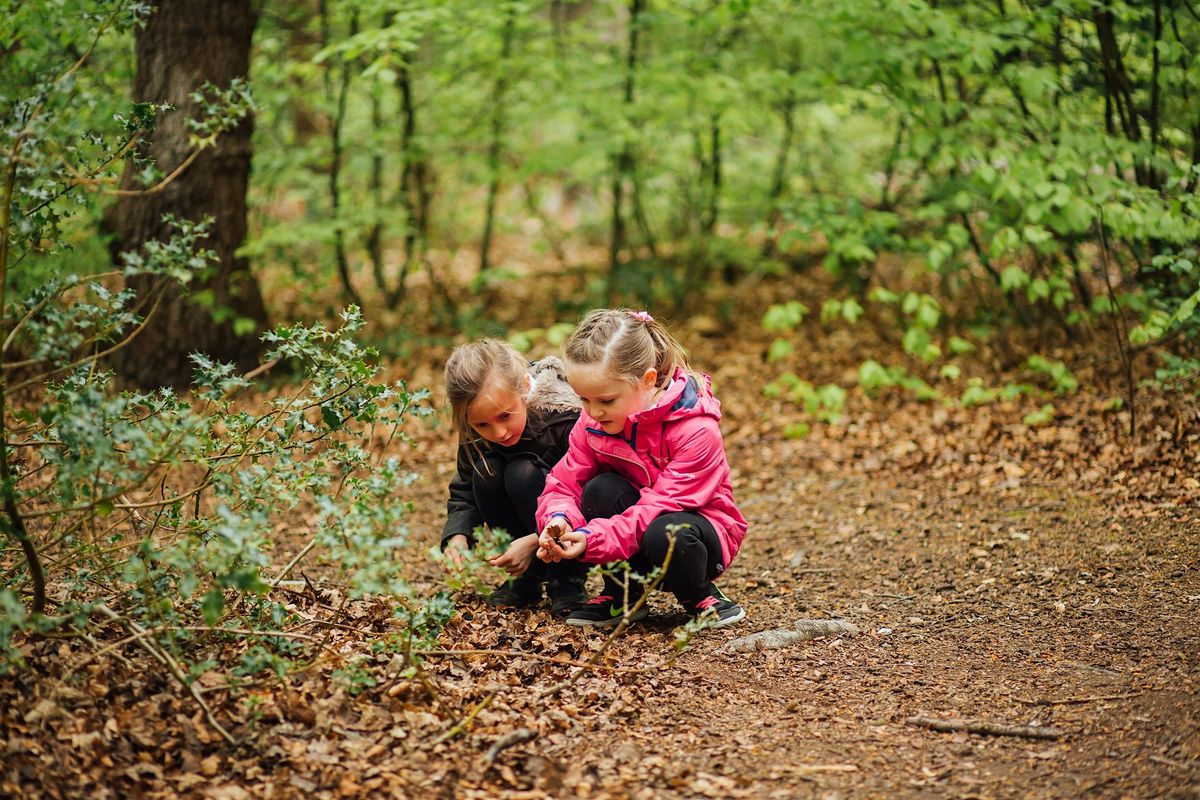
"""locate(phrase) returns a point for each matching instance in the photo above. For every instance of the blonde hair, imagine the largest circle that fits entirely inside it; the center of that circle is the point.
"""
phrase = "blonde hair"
(628, 343)
(473, 367)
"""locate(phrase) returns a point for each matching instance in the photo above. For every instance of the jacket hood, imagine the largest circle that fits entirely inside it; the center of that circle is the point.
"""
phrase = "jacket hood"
(683, 397)
(551, 392)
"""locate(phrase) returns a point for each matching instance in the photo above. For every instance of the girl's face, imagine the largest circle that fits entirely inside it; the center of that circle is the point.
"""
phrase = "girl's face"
(609, 399)
(498, 414)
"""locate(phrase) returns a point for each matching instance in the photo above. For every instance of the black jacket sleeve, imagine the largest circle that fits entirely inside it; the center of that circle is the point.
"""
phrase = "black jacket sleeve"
(461, 514)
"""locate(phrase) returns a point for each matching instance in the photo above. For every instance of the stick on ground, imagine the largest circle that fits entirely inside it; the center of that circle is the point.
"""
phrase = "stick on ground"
(510, 739)
(985, 728)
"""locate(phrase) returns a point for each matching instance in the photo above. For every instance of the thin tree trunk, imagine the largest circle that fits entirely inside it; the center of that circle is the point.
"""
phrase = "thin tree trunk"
(335, 166)
(639, 211)
(779, 177)
(415, 191)
(1155, 95)
(709, 224)
(183, 46)
(375, 233)
(624, 163)
(11, 521)
(499, 88)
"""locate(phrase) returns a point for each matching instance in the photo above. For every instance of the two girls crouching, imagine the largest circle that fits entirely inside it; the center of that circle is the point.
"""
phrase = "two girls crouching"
(637, 474)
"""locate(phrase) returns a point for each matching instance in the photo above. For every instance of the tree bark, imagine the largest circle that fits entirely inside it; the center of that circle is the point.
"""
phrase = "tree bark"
(184, 45)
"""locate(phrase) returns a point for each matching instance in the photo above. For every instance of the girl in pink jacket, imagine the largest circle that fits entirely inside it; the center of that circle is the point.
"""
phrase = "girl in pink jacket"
(644, 462)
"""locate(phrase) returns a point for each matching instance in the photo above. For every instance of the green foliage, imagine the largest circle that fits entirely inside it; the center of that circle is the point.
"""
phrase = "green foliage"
(163, 506)
(823, 403)
(1059, 376)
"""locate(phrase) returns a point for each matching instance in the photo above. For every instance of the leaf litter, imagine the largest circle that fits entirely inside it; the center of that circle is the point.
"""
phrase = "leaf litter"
(1006, 575)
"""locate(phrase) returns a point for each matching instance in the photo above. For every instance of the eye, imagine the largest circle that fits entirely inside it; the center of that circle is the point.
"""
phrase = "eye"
(506, 415)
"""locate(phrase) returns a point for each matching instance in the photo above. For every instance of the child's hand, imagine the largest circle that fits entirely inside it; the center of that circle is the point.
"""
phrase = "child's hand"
(572, 544)
(556, 527)
(548, 549)
(515, 560)
(453, 552)
(567, 546)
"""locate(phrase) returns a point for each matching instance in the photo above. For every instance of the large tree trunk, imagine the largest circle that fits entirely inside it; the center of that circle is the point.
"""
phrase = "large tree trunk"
(185, 44)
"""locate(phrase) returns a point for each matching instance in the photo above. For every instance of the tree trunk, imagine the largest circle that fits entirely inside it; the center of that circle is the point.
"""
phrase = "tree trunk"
(496, 142)
(624, 165)
(184, 45)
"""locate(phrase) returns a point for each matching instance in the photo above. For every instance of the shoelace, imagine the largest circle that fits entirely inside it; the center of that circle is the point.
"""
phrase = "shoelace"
(598, 599)
(707, 603)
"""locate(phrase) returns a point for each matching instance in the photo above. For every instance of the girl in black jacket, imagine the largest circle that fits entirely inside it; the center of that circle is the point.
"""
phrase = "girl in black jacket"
(513, 419)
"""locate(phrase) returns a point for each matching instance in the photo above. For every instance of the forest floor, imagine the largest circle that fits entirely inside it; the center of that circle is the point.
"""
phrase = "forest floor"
(997, 573)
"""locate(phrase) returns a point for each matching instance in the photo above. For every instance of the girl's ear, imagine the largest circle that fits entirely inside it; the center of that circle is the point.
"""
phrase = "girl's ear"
(528, 382)
(649, 378)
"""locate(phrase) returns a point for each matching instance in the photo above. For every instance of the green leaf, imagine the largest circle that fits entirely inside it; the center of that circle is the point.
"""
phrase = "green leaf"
(1013, 278)
(1040, 417)
(780, 348)
(796, 430)
(212, 605)
(784, 317)
(873, 376)
(959, 346)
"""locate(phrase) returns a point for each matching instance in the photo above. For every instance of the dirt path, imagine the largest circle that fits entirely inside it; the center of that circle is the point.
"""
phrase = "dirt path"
(1018, 608)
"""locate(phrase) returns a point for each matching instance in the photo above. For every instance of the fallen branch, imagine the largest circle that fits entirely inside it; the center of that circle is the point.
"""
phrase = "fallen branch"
(1066, 701)
(291, 564)
(462, 725)
(165, 658)
(802, 631)
(985, 728)
(510, 739)
(562, 662)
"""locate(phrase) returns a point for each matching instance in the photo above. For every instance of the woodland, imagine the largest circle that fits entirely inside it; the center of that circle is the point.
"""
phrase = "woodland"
(939, 257)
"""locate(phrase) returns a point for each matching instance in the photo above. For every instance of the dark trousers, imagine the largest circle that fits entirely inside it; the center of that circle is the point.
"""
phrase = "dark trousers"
(696, 559)
(506, 494)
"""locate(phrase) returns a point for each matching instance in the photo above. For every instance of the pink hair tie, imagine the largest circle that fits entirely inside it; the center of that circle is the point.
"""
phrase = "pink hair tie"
(642, 316)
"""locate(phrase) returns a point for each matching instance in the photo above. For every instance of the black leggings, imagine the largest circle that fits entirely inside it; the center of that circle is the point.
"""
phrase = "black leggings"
(696, 559)
(506, 494)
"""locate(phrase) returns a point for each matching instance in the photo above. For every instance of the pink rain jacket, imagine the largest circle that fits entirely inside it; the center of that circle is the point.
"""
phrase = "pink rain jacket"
(672, 452)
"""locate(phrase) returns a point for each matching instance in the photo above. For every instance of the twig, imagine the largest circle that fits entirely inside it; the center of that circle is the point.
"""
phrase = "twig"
(465, 722)
(165, 658)
(536, 657)
(985, 728)
(1066, 701)
(261, 368)
(510, 739)
(311, 544)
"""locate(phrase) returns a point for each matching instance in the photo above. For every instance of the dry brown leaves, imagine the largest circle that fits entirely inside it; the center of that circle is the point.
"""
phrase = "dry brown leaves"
(998, 571)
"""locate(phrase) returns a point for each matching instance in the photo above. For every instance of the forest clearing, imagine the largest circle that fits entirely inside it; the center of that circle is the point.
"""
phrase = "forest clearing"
(938, 260)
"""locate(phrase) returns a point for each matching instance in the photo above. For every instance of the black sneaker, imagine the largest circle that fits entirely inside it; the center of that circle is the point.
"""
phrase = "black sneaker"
(717, 609)
(566, 594)
(519, 592)
(606, 611)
